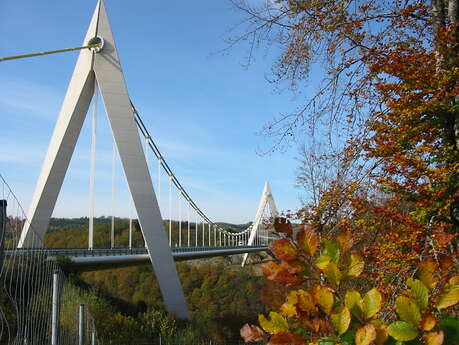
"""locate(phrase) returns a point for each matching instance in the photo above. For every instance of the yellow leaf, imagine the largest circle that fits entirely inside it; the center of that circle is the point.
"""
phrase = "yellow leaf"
(288, 310)
(454, 280)
(427, 269)
(354, 303)
(449, 294)
(371, 303)
(381, 332)
(277, 323)
(365, 335)
(324, 298)
(341, 318)
(292, 297)
(322, 261)
(333, 274)
(355, 265)
(434, 338)
(419, 292)
(408, 310)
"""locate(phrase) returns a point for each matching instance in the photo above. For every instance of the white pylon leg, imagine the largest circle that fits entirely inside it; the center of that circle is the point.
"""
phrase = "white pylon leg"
(266, 200)
(104, 66)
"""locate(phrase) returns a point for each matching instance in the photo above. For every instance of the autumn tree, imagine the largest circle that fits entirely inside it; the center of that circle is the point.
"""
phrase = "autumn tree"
(386, 110)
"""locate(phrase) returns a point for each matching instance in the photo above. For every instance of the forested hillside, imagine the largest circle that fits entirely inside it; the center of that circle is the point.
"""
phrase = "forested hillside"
(126, 302)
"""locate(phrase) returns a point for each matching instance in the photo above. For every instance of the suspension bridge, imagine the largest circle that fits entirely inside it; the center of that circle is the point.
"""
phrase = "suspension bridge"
(98, 75)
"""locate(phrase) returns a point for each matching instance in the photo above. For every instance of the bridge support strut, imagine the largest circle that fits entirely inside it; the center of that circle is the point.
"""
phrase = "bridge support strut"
(103, 65)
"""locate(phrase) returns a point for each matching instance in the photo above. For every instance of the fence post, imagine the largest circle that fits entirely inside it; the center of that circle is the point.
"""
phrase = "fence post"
(3, 205)
(55, 309)
(81, 324)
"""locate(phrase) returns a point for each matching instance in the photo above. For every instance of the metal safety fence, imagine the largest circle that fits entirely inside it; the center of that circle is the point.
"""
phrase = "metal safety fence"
(39, 304)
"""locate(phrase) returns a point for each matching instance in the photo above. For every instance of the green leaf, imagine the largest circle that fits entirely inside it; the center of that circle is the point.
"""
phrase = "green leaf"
(419, 292)
(331, 249)
(277, 323)
(371, 303)
(402, 331)
(450, 326)
(349, 336)
(341, 318)
(408, 310)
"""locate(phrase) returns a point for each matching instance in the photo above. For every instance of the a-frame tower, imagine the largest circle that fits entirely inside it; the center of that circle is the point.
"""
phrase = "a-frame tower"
(266, 200)
(102, 66)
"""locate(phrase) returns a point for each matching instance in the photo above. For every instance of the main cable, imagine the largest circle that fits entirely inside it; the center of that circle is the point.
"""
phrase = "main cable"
(22, 56)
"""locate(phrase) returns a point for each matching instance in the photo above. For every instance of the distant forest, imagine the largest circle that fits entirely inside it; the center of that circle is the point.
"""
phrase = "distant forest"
(126, 302)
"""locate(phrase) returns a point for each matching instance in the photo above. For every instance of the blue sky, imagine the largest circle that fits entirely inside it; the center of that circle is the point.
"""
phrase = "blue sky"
(203, 108)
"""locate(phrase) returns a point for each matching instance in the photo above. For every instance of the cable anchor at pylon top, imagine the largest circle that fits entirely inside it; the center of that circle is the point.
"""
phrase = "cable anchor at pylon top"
(97, 44)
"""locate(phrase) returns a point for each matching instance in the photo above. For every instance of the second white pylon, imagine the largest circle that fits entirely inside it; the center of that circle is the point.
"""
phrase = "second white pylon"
(266, 200)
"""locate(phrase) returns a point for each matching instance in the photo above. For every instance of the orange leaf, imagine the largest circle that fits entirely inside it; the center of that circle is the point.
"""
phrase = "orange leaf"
(308, 240)
(365, 335)
(286, 338)
(345, 241)
(428, 322)
(283, 225)
(286, 278)
(283, 249)
(251, 333)
(293, 266)
(270, 269)
(434, 338)
(306, 302)
(314, 323)
(427, 269)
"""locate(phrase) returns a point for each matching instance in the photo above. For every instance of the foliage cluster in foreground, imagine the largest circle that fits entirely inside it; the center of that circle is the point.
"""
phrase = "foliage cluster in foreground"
(322, 307)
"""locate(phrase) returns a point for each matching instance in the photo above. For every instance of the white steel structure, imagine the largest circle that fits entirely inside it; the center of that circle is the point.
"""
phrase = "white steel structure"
(102, 67)
(266, 200)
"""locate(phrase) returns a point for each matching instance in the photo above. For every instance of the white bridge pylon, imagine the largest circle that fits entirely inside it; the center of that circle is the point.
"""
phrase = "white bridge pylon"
(102, 67)
(266, 200)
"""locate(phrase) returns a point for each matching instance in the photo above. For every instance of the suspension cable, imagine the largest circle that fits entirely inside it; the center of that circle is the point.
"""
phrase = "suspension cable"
(162, 163)
(15, 57)
(92, 169)
(112, 233)
(170, 211)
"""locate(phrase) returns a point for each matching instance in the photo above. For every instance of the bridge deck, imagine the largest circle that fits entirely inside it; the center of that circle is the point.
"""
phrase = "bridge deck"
(91, 259)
